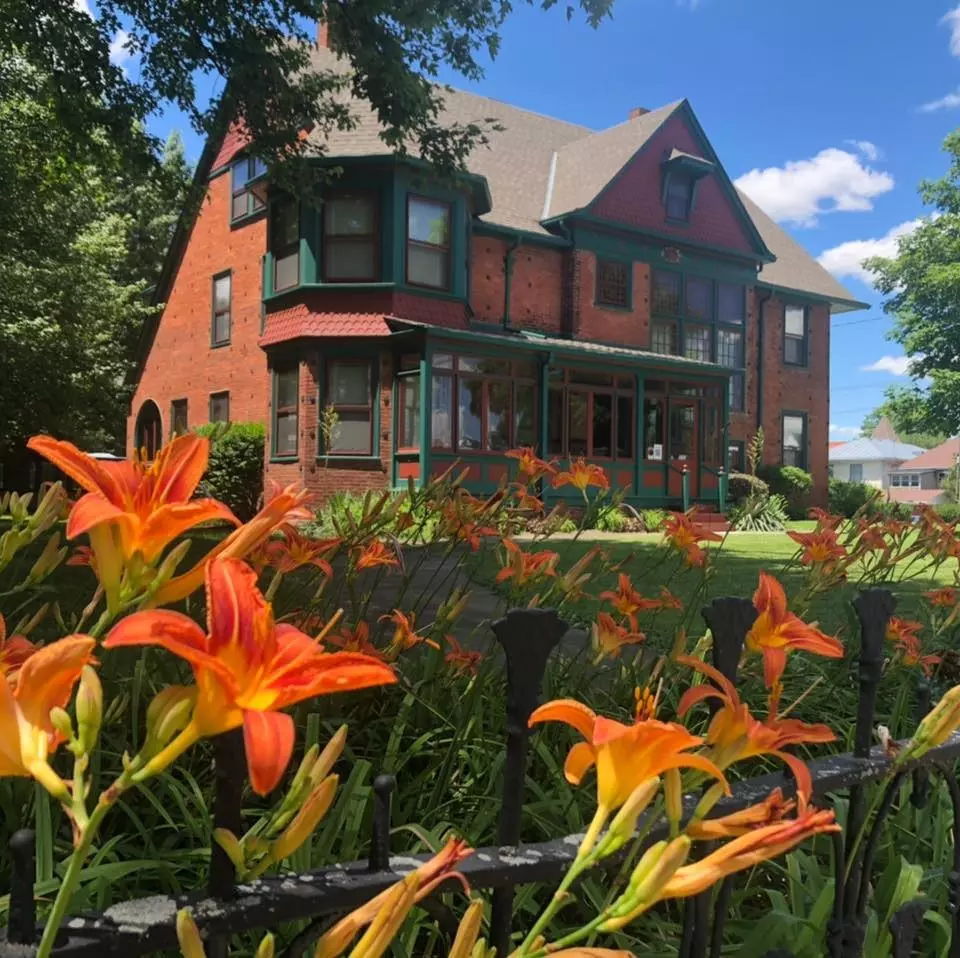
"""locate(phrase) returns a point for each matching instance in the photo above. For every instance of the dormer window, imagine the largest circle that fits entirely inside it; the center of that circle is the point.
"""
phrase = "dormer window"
(679, 196)
(682, 173)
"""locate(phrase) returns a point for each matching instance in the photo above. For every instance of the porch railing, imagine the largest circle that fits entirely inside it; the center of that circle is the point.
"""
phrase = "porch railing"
(684, 473)
(529, 637)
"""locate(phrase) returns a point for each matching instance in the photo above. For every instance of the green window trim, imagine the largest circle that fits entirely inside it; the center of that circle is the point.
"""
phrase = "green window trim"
(277, 411)
(798, 356)
(216, 313)
(223, 396)
(803, 458)
(611, 291)
(444, 249)
(247, 201)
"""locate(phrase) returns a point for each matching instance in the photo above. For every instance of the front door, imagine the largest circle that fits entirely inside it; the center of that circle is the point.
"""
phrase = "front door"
(683, 446)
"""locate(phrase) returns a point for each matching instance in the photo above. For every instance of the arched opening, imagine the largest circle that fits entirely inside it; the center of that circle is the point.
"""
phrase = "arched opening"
(148, 435)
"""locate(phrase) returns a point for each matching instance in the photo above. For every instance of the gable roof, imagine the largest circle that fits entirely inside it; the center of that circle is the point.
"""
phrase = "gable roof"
(865, 449)
(940, 457)
(885, 430)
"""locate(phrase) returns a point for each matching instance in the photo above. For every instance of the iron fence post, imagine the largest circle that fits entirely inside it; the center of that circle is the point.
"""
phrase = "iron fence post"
(528, 637)
(920, 793)
(22, 916)
(383, 786)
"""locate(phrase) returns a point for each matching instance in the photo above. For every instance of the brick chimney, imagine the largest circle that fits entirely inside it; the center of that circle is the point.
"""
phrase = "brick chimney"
(638, 111)
(323, 34)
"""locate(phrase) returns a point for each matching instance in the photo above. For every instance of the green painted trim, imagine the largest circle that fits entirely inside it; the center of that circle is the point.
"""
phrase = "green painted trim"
(802, 414)
(544, 436)
(356, 350)
(308, 244)
(214, 343)
(486, 228)
(640, 452)
(289, 460)
(426, 416)
(274, 456)
(628, 263)
(849, 305)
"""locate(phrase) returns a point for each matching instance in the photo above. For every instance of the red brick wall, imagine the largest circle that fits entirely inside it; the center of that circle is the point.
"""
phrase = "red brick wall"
(182, 364)
(596, 324)
(635, 197)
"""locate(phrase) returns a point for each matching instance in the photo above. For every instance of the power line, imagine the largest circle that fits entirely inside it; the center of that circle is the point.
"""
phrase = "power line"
(859, 322)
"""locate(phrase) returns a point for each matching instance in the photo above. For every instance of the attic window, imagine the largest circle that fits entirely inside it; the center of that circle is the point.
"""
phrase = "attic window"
(679, 199)
(681, 175)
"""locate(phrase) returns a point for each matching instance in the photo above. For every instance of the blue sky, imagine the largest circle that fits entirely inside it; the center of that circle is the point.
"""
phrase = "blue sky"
(830, 111)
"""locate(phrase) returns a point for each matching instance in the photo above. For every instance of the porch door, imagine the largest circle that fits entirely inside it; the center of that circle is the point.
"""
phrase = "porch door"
(683, 446)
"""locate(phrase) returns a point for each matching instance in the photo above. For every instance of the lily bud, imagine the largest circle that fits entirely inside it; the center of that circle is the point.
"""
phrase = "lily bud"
(167, 715)
(168, 567)
(328, 757)
(60, 720)
(466, 940)
(89, 709)
(657, 870)
(47, 561)
(25, 626)
(188, 935)
(673, 797)
(387, 923)
(232, 846)
(624, 824)
(937, 726)
(302, 827)
(267, 947)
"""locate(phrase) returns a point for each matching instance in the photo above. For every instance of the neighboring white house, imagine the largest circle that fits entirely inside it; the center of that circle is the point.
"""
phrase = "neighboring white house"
(920, 480)
(870, 461)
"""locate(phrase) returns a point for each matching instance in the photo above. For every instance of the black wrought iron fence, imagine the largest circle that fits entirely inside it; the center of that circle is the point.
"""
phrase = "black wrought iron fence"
(528, 637)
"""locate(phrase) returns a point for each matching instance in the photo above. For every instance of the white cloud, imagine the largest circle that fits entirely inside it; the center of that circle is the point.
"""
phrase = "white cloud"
(952, 20)
(895, 365)
(870, 150)
(841, 431)
(847, 258)
(83, 6)
(949, 102)
(832, 181)
(119, 54)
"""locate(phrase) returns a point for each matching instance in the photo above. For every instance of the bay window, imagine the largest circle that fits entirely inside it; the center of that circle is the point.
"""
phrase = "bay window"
(408, 403)
(482, 404)
(285, 243)
(351, 241)
(428, 242)
(591, 414)
(350, 395)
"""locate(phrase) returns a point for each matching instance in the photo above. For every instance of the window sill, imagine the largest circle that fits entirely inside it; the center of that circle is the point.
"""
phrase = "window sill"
(348, 457)
(222, 345)
(284, 459)
(614, 309)
(674, 221)
(796, 365)
(248, 218)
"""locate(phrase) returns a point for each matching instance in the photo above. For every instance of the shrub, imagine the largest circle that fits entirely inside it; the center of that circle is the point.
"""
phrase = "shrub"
(948, 511)
(848, 498)
(610, 518)
(348, 510)
(235, 471)
(760, 514)
(792, 483)
(741, 485)
(653, 519)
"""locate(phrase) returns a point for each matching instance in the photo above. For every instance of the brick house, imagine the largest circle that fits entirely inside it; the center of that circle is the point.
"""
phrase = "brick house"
(602, 294)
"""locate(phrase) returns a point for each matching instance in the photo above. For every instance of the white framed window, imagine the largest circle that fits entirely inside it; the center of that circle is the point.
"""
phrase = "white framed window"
(905, 480)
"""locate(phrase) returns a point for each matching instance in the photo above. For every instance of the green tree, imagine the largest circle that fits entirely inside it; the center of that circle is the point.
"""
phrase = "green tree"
(395, 47)
(907, 411)
(922, 285)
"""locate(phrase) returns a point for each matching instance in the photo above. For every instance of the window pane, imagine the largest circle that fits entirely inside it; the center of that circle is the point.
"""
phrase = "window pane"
(679, 191)
(555, 423)
(221, 293)
(737, 399)
(442, 361)
(239, 207)
(286, 437)
(427, 267)
(285, 229)
(441, 415)
(794, 321)
(577, 423)
(353, 432)
(729, 347)
(221, 328)
(486, 365)
(428, 221)
(652, 425)
(470, 412)
(349, 384)
(625, 430)
(699, 298)
(256, 202)
(697, 343)
(410, 412)
(856, 472)
(683, 435)
(498, 416)
(349, 216)
(792, 432)
(793, 351)
(612, 283)
(286, 388)
(350, 260)
(666, 294)
(525, 411)
(731, 303)
(179, 425)
(602, 425)
(220, 407)
(286, 270)
(239, 174)
(735, 454)
(664, 339)
(257, 167)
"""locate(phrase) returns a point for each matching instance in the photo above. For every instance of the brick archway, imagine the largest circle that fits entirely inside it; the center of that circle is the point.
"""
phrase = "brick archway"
(148, 434)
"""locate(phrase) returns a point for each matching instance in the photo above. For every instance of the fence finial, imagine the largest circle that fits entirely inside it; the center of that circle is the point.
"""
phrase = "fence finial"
(383, 786)
(874, 608)
(22, 916)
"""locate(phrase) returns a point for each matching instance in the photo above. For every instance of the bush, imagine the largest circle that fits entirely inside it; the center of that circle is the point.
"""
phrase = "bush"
(653, 519)
(948, 511)
(792, 483)
(878, 506)
(235, 472)
(741, 486)
(847, 498)
(760, 514)
(349, 510)
(610, 518)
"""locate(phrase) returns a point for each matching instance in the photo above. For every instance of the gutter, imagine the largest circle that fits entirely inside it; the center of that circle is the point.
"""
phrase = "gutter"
(761, 303)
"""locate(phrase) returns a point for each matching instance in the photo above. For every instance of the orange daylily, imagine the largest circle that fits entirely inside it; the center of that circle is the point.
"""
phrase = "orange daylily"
(734, 734)
(44, 681)
(526, 501)
(247, 669)
(873, 537)
(683, 533)
(945, 598)
(376, 554)
(824, 519)
(14, 651)
(669, 601)
(626, 756)
(904, 634)
(428, 876)
(525, 567)
(777, 632)
(628, 601)
(582, 475)
(529, 466)
(820, 547)
(460, 659)
(609, 638)
(131, 506)
(357, 640)
(902, 630)
(296, 550)
(773, 808)
(405, 636)
(461, 520)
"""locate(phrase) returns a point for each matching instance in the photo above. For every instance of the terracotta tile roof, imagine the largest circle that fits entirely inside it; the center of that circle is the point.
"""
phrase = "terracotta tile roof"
(924, 496)
(836, 442)
(940, 457)
(298, 322)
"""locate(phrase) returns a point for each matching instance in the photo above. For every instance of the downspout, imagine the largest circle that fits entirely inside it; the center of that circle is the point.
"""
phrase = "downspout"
(761, 303)
(508, 278)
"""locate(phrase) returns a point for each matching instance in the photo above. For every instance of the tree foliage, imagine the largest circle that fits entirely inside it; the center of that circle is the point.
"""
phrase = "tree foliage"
(922, 285)
(909, 414)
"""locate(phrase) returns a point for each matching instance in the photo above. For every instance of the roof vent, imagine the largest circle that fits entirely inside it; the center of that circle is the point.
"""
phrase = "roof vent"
(638, 111)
